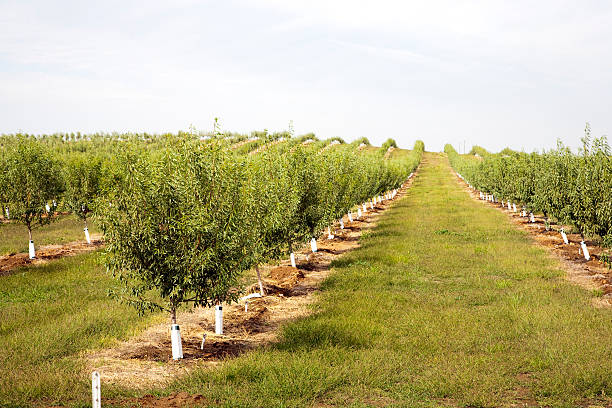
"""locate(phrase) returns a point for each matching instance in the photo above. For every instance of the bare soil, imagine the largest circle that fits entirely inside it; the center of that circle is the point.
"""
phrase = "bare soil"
(592, 274)
(265, 146)
(46, 253)
(145, 360)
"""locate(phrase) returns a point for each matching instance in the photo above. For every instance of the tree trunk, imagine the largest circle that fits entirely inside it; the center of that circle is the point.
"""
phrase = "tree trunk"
(261, 289)
(173, 314)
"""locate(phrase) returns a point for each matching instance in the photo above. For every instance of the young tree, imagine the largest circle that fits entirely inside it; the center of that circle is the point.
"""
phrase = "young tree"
(30, 181)
(274, 201)
(178, 227)
(82, 175)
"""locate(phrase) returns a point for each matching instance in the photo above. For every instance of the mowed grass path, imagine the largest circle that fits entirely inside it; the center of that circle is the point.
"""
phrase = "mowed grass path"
(48, 315)
(445, 304)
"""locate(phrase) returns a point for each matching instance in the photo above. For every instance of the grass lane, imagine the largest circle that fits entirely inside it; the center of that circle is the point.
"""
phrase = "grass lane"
(445, 304)
(48, 314)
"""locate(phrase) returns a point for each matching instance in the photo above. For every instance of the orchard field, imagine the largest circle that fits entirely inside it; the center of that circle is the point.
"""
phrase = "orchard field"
(374, 276)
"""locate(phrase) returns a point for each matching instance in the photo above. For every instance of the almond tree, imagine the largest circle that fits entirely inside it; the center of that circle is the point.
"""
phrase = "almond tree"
(82, 175)
(30, 181)
(178, 227)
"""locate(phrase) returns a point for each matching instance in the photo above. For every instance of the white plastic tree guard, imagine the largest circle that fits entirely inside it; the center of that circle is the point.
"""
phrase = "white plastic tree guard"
(8, 214)
(564, 236)
(87, 238)
(96, 395)
(329, 234)
(350, 216)
(365, 210)
(358, 213)
(531, 217)
(218, 319)
(313, 245)
(47, 208)
(509, 206)
(514, 207)
(292, 257)
(585, 251)
(341, 224)
(32, 251)
(177, 344)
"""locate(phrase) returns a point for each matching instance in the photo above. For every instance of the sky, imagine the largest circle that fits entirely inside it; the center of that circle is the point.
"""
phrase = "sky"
(519, 74)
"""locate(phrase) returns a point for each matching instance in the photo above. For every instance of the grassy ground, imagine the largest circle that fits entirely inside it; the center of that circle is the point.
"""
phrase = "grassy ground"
(48, 314)
(67, 228)
(445, 304)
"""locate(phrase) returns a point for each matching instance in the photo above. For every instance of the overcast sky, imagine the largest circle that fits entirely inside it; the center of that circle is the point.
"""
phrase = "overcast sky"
(517, 73)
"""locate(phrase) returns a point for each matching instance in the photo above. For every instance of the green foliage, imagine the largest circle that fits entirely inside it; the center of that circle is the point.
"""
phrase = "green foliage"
(30, 180)
(361, 141)
(82, 177)
(179, 226)
(183, 215)
(387, 145)
(574, 189)
(477, 150)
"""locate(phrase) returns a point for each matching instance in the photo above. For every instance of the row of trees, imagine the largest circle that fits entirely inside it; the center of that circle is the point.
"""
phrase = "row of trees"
(185, 221)
(182, 217)
(572, 189)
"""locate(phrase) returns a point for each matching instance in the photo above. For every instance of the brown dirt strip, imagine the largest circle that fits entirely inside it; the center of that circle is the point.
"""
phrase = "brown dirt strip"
(145, 360)
(239, 144)
(266, 146)
(592, 274)
(46, 253)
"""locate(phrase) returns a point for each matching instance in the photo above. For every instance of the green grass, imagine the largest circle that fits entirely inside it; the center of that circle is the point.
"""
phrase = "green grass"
(67, 228)
(445, 303)
(48, 314)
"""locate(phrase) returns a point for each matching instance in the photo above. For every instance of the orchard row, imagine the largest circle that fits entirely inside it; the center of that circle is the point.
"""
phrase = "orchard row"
(183, 216)
(571, 189)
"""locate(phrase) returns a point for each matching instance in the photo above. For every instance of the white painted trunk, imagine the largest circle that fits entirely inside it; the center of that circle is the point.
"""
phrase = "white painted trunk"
(87, 238)
(514, 207)
(313, 245)
(177, 344)
(564, 236)
(531, 217)
(47, 208)
(218, 319)
(358, 213)
(585, 251)
(365, 210)
(292, 257)
(509, 206)
(32, 251)
(350, 216)
(341, 224)
(8, 214)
